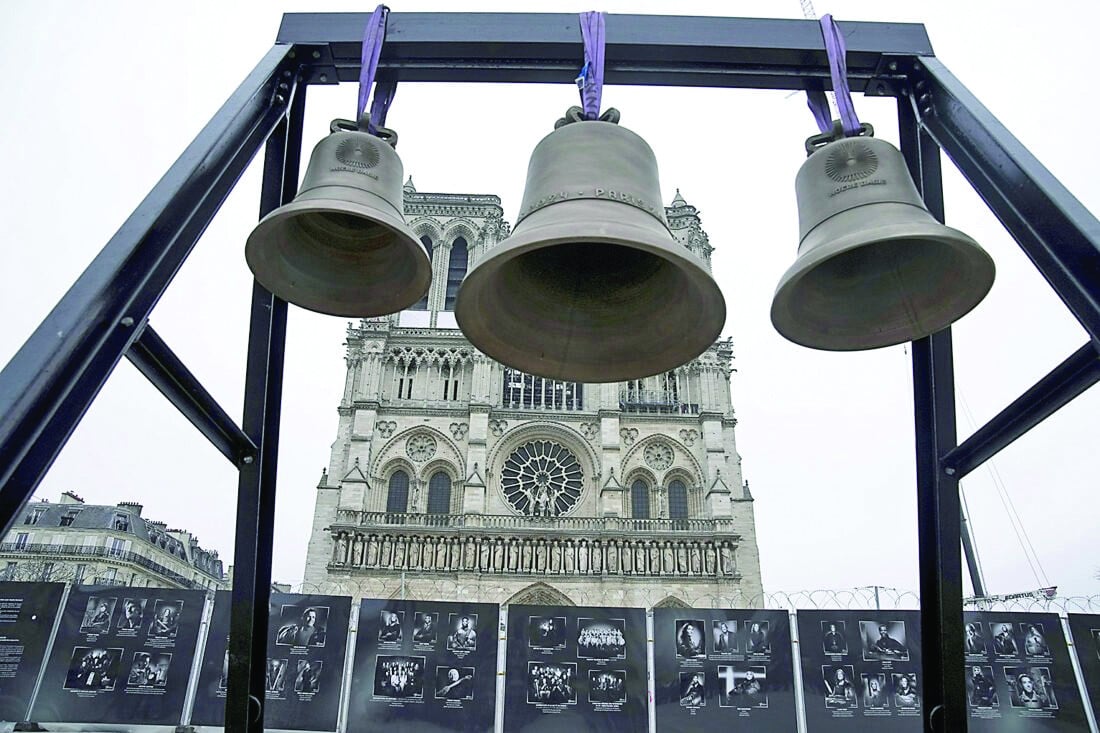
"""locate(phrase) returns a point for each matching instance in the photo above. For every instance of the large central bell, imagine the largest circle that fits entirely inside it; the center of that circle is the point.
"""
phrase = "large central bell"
(591, 286)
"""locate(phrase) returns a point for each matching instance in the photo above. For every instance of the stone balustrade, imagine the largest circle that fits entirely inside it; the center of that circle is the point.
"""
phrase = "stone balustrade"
(349, 518)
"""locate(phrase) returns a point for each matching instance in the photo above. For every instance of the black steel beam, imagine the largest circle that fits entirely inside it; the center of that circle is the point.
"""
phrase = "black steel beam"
(50, 383)
(641, 49)
(245, 698)
(939, 509)
(1054, 229)
(163, 368)
(1065, 382)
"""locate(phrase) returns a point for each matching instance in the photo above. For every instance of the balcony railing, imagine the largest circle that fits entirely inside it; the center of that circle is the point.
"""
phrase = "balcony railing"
(82, 551)
(655, 401)
(517, 523)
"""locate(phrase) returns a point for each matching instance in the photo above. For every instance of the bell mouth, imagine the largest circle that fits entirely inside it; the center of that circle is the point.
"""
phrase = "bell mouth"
(339, 231)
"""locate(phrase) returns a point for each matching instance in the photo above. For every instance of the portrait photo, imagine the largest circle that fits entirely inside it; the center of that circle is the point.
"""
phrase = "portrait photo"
(741, 686)
(974, 642)
(93, 668)
(906, 692)
(1004, 640)
(275, 676)
(758, 638)
(875, 694)
(307, 677)
(839, 689)
(133, 616)
(149, 669)
(693, 691)
(601, 639)
(454, 683)
(425, 627)
(166, 619)
(97, 615)
(551, 683)
(724, 636)
(302, 626)
(981, 690)
(546, 632)
(884, 640)
(389, 626)
(689, 639)
(1035, 640)
(462, 632)
(833, 637)
(1030, 688)
(399, 678)
(607, 686)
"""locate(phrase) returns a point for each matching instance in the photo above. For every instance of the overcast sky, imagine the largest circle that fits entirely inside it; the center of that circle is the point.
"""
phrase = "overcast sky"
(100, 98)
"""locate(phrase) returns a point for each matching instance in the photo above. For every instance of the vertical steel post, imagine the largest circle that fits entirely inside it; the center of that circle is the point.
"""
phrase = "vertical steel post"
(938, 503)
(244, 703)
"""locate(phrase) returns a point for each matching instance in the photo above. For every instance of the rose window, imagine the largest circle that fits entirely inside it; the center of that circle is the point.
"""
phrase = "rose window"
(542, 479)
(420, 447)
(658, 456)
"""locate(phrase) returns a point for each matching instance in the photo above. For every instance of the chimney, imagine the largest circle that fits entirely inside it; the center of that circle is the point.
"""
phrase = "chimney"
(70, 497)
(132, 506)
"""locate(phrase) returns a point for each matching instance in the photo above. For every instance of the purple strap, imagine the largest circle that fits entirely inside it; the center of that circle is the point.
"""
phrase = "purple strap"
(373, 36)
(838, 70)
(590, 81)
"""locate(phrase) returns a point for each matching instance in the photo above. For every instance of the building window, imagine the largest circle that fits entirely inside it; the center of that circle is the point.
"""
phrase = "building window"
(639, 500)
(456, 271)
(117, 546)
(47, 571)
(21, 540)
(422, 304)
(34, 516)
(677, 500)
(122, 523)
(439, 494)
(68, 518)
(78, 574)
(528, 392)
(110, 575)
(397, 500)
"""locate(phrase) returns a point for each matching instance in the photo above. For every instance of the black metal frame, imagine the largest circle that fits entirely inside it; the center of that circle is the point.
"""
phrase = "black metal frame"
(49, 384)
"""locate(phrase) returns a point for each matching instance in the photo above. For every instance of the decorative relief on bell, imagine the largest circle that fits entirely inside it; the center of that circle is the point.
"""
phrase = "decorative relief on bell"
(850, 161)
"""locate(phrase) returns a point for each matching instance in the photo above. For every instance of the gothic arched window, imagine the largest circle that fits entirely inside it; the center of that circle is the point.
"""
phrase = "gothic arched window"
(639, 500)
(422, 304)
(677, 500)
(456, 270)
(439, 494)
(397, 500)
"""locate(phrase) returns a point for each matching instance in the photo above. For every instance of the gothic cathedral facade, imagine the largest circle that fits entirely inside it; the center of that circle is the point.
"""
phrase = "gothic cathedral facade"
(453, 476)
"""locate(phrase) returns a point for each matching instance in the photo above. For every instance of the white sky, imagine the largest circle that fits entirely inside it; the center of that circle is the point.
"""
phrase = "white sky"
(100, 98)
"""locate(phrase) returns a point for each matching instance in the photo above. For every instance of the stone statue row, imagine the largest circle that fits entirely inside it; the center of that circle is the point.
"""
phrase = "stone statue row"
(526, 555)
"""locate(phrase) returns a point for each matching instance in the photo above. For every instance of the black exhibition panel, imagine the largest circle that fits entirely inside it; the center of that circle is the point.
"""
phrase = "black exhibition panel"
(861, 670)
(1019, 676)
(718, 669)
(1085, 628)
(121, 655)
(27, 613)
(424, 666)
(576, 668)
(304, 669)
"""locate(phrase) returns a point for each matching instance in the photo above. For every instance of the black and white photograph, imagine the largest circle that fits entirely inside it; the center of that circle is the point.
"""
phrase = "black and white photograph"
(1096, 641)
(758, 639)
(741, 686)
(693, 689)
(133, 616)
(883, 641)
(981, 690)
(1004, 640)
(93, 668)
(1035, 640)
(1031, 688)
(97, 617)
(454, 683)
(546, 632)
(425, 628)
(875, 694)
(462, 632)
(166, 619)
(690, 643)
(601, 639)
(223, 680)
(975, 639)
(833, 639)
(551, 683)
(607, 686)
(307, 678)
(724, 636)
(906, 692)
(275, 676)
(399, 678)
(839, 689)
(302, 626)
(149, 669)
(389, 628)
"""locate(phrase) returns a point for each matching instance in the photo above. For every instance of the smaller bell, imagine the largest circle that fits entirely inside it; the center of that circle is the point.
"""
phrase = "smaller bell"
(874, 267)
(342, 246)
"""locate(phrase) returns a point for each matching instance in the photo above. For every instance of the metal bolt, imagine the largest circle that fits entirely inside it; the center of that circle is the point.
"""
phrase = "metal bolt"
(892, 66)
(949, 471)
(284, 86)
(926, 111)
(920, 85)
(127, 321)
(324, 78)
(924, 98)
(279, 99)
(316, 54)
(286, 73)
(247, 460)
(292, 55)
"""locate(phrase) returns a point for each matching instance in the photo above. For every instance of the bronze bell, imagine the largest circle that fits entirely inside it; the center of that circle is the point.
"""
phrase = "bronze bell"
(342, 246)
(874, 267)
(591, 286)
